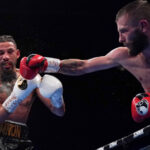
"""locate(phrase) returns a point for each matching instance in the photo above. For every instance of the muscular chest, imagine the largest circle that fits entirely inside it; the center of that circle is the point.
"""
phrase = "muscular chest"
(140, 69)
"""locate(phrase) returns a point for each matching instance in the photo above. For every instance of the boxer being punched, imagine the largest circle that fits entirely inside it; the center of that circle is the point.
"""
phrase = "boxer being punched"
(133, 25)
(17, 96)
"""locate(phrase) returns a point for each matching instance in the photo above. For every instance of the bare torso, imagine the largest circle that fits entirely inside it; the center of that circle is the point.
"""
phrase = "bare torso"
(139, 66)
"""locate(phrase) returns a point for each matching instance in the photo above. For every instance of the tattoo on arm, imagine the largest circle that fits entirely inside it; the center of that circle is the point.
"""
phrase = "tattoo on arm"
(71, 66)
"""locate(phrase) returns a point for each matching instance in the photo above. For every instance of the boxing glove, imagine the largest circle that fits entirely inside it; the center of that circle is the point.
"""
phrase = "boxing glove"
(35, 63)
(21, 90)
(27, 72)
(50, 87)
(140, 107)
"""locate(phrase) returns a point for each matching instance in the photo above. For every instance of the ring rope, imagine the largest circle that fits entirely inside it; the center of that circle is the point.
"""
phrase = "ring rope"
(127, 139)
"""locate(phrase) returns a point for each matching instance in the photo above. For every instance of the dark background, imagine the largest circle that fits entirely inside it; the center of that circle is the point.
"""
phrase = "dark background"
(97, 104)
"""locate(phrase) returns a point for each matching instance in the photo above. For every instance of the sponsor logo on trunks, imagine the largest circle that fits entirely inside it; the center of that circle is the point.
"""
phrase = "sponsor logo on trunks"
(8, 129)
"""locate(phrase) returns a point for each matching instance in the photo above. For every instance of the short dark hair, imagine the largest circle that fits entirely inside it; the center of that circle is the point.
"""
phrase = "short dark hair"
(7, 38)
(137, 10)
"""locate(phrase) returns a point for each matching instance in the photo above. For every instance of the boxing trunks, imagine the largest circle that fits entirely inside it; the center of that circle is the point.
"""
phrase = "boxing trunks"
(14, 136)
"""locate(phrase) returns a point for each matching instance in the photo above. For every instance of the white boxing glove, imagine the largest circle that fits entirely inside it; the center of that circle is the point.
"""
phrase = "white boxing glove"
(50, 87)
(21, 90)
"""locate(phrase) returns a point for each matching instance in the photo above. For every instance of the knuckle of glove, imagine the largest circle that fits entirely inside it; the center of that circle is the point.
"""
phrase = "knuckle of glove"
(35, 60)
(140, 107)
(26, 71)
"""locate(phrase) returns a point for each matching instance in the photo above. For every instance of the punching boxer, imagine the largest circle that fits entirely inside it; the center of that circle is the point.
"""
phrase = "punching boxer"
(17, 95)
(133, 24)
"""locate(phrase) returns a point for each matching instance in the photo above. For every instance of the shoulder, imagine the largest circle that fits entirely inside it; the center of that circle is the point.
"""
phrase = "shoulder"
(17, 72)
(119, 53)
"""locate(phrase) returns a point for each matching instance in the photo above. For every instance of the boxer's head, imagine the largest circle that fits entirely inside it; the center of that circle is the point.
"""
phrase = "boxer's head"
(133, 23)
(8, 56)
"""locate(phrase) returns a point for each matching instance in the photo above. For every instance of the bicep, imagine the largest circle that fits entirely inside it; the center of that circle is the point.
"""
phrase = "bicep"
(113, 59)
(100, 63)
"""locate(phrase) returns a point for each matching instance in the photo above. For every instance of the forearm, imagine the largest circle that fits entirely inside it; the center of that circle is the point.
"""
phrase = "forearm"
(76, 67)
(67, 66)
(50, 93)
(72, 67)
(58, 111)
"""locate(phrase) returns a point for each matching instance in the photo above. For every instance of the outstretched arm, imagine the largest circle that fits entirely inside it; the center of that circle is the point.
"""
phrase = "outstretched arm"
(33, 64)
(80, 67)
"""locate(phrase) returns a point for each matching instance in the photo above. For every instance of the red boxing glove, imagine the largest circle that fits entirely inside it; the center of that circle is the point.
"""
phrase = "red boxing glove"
(32, 65)
(25, 71)
(140, 107)
(37, 61)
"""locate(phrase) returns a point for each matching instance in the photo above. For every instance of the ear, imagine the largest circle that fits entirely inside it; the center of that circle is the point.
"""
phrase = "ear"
(144, 25)
(18, 53)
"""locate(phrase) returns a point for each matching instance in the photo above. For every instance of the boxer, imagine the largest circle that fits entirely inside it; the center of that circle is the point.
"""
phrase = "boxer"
(133, 26)
(17, 95)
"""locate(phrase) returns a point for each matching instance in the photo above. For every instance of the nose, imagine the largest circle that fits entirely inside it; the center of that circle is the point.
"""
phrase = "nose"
(121, 38)
(5, 56)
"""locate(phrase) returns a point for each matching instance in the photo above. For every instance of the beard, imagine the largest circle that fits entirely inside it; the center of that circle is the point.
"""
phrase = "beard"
(138, 44)
(7, 75)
